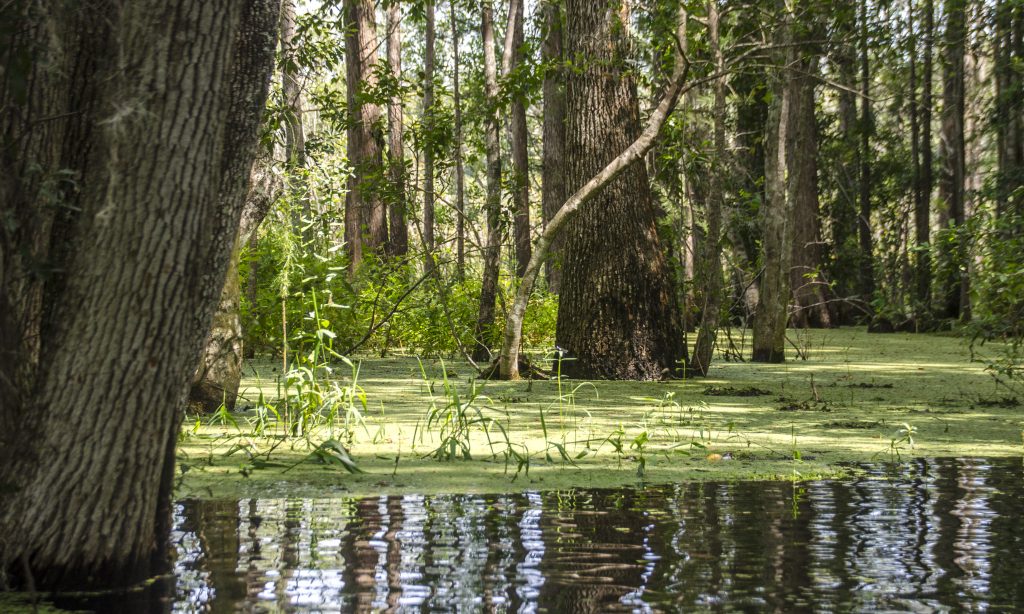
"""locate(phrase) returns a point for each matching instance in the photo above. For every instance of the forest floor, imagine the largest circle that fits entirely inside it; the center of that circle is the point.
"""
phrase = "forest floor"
(854, 398)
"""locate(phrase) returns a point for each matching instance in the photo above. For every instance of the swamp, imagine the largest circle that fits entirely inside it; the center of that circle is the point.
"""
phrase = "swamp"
(511, 306)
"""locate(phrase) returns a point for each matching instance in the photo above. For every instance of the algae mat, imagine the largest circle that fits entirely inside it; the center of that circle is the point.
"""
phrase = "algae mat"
(852, 397)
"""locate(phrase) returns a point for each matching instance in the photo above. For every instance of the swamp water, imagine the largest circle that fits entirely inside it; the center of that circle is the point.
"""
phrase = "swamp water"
(926, 535)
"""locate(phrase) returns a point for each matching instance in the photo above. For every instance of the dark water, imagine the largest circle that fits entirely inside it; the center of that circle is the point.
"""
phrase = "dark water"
(929, 535)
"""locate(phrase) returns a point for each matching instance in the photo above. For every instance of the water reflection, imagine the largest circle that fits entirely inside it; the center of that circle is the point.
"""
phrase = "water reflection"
(943, 535)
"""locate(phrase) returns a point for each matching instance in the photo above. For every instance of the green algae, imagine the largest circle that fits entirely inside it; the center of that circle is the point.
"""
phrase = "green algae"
(850, 401)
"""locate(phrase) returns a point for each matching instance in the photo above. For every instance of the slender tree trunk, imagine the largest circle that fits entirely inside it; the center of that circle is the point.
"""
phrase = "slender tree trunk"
(769, 342)
(520, 155)
(956, 282)
(920, 203)
(710, 290)
(553, 192)
(98, 353)
(429, 147)
(618, 316)
(294, 130)
(867, 262)
(923, 216)
(365, 211)
(398, 240)
(460, 172)
(492, 207)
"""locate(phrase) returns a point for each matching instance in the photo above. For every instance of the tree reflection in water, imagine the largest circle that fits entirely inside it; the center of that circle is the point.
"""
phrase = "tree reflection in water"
(929, 534)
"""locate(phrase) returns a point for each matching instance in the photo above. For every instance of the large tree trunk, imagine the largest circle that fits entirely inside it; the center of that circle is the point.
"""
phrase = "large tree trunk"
(619, 316)
(769, 342)
(149, 160)
(219, 373)
(812, 297)
(429, 147)
(955, 283)
(1009, 120)
(398, 243)
(365, 211)
(711, 280)
(492, 207)
(553, 192)
(520, 155)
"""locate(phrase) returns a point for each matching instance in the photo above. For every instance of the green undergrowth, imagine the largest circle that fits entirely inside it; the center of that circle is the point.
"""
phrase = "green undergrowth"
(401, 425)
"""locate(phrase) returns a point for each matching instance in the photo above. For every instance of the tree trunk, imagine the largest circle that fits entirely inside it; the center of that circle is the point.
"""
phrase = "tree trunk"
(923, 215)
(365, 211)
(398, 243)
(492, 251)
(956, 282)
(429, 147)
(866, 286)
(812, 297)
(618, 317)
(769, 342)
(294, 130)
(520, 154)
(553, 192)
(460, 172)
(149, 160)
(219, 374)
(710, 288)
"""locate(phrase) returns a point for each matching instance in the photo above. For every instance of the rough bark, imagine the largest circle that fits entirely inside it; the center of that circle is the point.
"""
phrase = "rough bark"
(772, 312)
(619, 316)
(219, 373)
(520, 179)
(149, 162)
(712, 282)
(637, 151)
(429, 148)
(492, 206)
(553, 191)
(365, 210)
(398, 239)
(812, 297)
(460, 171)
(956, 281)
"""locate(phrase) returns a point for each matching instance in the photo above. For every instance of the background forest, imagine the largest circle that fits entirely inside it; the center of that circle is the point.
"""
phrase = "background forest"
(827, 164)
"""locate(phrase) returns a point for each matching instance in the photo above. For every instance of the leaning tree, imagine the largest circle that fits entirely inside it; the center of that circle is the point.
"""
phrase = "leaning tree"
(127, 131)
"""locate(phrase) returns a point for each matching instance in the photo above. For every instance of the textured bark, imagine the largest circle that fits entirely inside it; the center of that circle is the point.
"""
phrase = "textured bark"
(769, 339)
(812, 297)
(619, 315)
(956, 282)
(398, 240)
(428, 150)
(219, 373)
(637, 151)
(520, 179)
(460, 172)
(149, 160)
(711, 280)
(365, 210)
(553, 192)
(1009, 119)
(492, 207)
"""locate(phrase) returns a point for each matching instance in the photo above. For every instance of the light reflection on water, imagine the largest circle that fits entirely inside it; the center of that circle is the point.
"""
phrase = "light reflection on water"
(932, 535)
